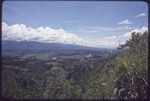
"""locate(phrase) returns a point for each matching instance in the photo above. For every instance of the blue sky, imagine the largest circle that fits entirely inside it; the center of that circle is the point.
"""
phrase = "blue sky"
(90, 20)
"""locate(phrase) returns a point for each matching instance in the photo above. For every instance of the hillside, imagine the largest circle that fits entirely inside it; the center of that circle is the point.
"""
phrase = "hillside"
(73, 74)
(124, 76)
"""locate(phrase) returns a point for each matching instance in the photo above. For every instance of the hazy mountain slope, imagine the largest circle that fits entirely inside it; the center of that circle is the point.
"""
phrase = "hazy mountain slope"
(24, 45)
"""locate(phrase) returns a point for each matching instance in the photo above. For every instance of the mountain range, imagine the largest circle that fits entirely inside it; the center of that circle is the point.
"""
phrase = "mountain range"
(37, 46)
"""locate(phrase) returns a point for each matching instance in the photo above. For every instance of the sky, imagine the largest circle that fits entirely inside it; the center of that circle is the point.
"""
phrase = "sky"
(89, 23)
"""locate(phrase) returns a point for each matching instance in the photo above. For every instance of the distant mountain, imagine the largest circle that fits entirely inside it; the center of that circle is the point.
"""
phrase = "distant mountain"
(36, 46)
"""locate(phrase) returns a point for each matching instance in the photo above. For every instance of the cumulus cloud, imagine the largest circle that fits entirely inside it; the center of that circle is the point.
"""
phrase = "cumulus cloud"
(140, 31)
(115, 41)
(125, 22)
(20, 32)
(141, 15)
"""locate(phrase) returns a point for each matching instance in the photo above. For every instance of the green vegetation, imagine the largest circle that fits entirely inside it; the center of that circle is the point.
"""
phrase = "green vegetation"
(133, 68)
(125, 76)
(79, 76)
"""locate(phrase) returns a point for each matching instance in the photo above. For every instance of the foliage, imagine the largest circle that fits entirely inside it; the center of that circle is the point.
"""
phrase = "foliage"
(133, 67)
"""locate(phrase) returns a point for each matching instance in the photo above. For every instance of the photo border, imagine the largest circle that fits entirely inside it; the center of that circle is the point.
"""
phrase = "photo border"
(6, 99)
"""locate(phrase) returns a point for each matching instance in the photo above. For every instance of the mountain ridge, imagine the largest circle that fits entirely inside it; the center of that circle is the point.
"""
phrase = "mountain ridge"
(37, 46)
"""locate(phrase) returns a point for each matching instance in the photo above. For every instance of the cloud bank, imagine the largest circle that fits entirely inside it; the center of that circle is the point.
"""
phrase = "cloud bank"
(20, 32)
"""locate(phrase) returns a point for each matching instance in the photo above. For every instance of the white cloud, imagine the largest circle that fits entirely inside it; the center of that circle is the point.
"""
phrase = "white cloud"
(110, 41)
(141, 15)
(20, 32)
(141, 31)
(125, 22)
(115, 41)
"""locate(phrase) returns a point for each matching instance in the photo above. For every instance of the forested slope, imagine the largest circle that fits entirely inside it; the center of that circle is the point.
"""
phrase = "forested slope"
(125, 76)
